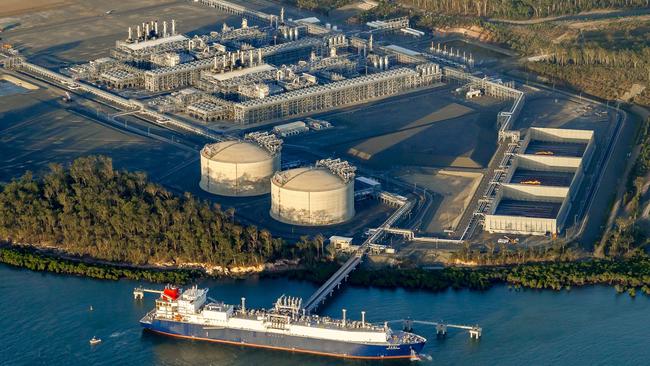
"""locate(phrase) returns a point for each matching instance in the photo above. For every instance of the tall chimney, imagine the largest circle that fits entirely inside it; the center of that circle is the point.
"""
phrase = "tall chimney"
(243, 304)
(165, 28)
(173, 27)
(155, 28)
(139, 31)
(344, 311)
(130, 34)
(363, 318)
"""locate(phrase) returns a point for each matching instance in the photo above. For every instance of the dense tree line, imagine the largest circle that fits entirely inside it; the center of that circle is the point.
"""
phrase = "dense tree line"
(507, 9)
(518, 9)
(626, 274)
(596, 55)
(604, 66)
(625, 238)
(89, 208)
(605, 73)
(25, 258)
(496, 254)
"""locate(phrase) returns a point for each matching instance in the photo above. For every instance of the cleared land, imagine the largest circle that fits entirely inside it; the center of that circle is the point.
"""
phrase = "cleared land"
(454, 191)
(36, 130)
(429, 128)
(558, 112)
(82, 31)
(16, 7)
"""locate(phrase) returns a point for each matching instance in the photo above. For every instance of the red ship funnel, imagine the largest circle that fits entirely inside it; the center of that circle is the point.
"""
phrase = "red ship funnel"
(171, 293)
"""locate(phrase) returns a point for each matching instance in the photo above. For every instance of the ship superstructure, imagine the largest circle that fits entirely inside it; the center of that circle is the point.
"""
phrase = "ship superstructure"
(286, 326)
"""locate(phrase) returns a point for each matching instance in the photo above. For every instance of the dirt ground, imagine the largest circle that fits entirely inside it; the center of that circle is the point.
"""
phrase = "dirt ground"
(36, 130)
(429, 128)
(559, 112)
(17, 7)
(74, 32)
(456, 189)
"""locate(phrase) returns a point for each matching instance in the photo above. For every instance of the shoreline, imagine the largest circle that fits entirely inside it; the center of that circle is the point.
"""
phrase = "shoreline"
(624, 275)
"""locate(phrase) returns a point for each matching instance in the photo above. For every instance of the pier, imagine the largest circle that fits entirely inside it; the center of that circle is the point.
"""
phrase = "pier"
(138, 292)
(351, 264)
(475, 332)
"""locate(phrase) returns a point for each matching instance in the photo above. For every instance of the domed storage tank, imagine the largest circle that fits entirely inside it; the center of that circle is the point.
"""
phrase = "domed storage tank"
(237, 168)
(311, 196)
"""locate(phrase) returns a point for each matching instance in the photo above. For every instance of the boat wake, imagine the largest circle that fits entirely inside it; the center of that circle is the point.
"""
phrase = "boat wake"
(423, 357)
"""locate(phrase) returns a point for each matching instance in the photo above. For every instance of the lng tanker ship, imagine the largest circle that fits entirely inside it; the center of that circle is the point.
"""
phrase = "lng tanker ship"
(193, 315)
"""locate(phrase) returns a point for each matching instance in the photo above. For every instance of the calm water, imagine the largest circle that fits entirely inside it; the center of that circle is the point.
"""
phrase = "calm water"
(45, 320)
(7, 88)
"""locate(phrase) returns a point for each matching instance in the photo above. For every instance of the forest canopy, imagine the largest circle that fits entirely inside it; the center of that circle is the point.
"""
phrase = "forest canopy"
(89, 208)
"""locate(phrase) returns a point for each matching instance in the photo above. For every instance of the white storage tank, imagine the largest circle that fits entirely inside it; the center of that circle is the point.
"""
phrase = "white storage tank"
(311, 196)
(237, 168)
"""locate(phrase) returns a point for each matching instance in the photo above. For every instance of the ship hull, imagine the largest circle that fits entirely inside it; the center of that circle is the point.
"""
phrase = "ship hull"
(282, 342)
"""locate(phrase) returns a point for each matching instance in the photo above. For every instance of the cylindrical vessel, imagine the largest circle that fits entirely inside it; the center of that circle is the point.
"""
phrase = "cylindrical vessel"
(237, 168)
(311, 196)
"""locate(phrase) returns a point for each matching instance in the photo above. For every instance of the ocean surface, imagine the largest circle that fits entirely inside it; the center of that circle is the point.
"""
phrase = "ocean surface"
(45, 319)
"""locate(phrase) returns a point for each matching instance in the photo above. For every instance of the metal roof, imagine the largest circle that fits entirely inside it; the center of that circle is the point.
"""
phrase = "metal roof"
(235, 151)
(308, 179)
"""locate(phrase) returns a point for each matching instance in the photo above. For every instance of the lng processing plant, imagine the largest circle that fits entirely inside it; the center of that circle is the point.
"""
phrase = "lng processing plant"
(386, 139)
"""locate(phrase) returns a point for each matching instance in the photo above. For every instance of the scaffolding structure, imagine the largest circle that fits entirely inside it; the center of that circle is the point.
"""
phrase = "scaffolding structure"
(270, 142)
(310, 42)
(321, 97)
(122, 76)
(339, 167)
(209, 109)
(388, 24)
(178, 76)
